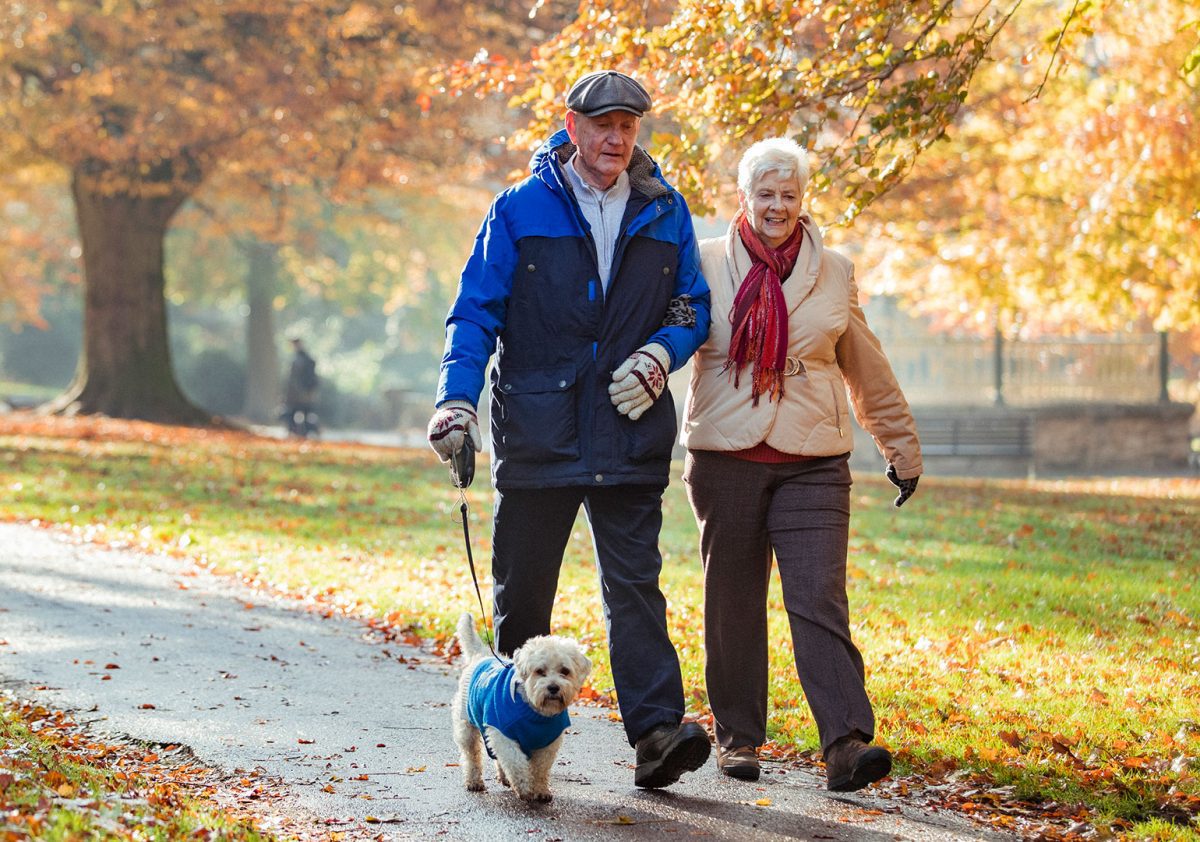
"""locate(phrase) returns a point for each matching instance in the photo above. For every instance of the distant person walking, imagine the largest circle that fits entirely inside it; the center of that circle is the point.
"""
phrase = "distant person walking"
(300, 395)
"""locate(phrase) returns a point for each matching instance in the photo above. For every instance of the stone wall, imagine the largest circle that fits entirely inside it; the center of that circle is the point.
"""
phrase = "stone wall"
(1081, 439)
(1106, 438)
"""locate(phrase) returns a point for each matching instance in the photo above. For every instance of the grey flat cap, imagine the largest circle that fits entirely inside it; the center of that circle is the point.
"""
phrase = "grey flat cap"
(607, 90)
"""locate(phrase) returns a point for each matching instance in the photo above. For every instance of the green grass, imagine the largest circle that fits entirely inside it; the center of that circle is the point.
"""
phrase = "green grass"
(1038, 635)
(28, 391)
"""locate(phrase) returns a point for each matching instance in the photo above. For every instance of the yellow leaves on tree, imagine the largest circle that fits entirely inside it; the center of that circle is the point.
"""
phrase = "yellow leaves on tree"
(1068, 205)
(866, 85)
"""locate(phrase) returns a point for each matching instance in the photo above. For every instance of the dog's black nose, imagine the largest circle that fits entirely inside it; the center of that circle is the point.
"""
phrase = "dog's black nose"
(552, 689)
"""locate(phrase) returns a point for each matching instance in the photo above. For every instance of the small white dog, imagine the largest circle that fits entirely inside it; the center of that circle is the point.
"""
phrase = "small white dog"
(516, 710)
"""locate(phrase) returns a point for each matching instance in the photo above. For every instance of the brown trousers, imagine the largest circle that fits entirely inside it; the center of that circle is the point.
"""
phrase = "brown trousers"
(801, 510)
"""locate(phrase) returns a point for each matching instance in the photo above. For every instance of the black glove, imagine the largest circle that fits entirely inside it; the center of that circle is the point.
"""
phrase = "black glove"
(906, 486)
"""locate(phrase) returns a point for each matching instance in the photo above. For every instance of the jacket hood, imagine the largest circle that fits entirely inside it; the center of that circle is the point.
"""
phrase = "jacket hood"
(644, 174)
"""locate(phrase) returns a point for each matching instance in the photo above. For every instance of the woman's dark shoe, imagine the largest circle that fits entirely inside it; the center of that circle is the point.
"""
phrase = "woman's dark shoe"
(851, 764)
(666, 752)
(740, 762)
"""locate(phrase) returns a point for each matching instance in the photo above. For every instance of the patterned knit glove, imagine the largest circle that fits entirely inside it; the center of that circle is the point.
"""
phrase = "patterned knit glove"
(906, 486)
(640, 380)
(453, 421)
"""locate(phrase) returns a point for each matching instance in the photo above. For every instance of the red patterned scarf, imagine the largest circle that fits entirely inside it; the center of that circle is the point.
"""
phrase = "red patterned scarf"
(759, 315)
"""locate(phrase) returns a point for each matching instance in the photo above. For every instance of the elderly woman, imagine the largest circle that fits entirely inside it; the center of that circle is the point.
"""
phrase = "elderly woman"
(768, 435)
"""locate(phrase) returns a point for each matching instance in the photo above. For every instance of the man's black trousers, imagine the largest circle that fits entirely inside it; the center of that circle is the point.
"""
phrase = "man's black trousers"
(530, 533)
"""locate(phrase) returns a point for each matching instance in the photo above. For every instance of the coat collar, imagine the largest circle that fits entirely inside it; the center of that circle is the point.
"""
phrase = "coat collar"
(798, 285)
(644, 176)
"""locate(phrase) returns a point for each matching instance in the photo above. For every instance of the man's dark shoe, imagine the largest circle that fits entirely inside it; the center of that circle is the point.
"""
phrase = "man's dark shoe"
(740, 762)
(851, 764)
(666, 752)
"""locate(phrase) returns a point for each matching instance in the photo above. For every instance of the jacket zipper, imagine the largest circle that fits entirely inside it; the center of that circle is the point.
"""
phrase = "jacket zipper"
(837, 409)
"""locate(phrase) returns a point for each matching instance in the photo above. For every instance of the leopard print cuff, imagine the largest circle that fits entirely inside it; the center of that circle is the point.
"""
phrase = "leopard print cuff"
(680, 312)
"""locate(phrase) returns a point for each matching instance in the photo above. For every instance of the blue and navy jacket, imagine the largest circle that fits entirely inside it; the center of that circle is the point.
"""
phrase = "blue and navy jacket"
(492, 700)
(531, 292)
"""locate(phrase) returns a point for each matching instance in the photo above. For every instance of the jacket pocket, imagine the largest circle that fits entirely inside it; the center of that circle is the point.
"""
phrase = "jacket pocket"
(533, 414)
(651, 437)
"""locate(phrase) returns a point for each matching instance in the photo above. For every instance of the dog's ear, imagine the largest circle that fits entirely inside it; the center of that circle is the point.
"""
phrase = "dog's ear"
(521, 663)
(582, 665)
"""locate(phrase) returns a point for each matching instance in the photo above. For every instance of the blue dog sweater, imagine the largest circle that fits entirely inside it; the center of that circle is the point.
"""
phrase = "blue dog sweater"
(492, 700)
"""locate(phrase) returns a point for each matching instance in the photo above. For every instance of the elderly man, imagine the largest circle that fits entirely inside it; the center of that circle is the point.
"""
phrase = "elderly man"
(585, 276)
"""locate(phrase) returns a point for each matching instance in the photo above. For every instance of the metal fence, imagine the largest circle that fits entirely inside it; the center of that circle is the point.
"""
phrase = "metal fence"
(943, 371)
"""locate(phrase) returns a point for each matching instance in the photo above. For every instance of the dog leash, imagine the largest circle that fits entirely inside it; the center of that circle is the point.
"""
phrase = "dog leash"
(462, 471)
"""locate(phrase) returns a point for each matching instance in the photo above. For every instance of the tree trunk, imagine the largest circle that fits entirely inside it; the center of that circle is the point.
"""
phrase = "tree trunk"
(125, 367)
(261, 402)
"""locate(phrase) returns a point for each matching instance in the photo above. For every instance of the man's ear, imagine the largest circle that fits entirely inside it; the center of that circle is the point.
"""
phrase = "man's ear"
(571, 127)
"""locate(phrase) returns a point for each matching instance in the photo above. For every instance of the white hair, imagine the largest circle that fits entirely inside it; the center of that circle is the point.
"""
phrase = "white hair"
(777, 154)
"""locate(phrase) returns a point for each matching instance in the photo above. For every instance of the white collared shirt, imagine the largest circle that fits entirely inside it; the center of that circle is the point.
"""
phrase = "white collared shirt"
(603, 210)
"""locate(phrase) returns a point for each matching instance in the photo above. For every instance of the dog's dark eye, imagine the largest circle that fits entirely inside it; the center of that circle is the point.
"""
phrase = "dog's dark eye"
(566, 672)
(540, 671)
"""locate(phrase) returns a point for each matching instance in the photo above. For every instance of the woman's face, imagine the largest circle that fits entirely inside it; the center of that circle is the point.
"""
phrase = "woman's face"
(773, 207)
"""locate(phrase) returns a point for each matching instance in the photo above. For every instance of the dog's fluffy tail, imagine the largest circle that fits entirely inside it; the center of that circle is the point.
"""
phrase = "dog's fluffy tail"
(469, 641)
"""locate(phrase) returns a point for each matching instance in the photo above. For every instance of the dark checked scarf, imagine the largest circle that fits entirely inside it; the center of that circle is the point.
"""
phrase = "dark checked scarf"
(759, 315)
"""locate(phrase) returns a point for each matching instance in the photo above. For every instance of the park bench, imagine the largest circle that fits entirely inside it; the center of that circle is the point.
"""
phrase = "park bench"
(1005, 434)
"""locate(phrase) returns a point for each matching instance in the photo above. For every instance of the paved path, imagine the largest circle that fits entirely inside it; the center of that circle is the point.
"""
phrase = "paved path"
(249, 683)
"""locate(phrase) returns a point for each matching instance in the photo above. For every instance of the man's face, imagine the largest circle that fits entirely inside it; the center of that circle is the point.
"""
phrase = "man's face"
(605, 145)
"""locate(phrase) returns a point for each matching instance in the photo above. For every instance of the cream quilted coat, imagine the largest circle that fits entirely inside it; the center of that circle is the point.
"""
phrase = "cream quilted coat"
(830, 348)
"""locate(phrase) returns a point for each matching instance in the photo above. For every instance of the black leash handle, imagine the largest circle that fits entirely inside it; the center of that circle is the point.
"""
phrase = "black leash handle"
(462, 465)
